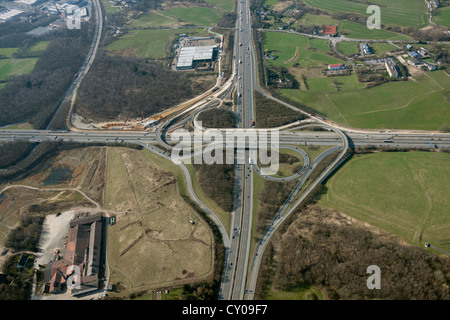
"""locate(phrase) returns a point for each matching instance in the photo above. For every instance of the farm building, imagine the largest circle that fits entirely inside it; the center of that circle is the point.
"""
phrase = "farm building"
(338, 66)
(330, 31)
(392, 68)
(83, 251)
(414, 54)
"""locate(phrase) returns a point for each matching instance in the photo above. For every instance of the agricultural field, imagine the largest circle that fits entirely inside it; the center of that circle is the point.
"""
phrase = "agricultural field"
(199, 16)
(153, 19)
(421, 104)
(292, 49)
(310, 19)
(443, 17)
(400, 12)
(401, 193)
(358, 31)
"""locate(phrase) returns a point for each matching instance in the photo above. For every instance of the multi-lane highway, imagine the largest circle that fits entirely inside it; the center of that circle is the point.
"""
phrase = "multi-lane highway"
(416, 140)
(236, 265)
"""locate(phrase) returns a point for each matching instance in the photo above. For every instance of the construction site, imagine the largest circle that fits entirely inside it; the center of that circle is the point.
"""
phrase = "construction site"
(149, 123)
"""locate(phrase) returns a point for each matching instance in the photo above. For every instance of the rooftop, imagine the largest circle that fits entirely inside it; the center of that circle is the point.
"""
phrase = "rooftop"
(330, 30)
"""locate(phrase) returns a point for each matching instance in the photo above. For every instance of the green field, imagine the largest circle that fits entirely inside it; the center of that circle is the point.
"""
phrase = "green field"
(152, 19)
(348, 47)
(443, 17)
(402, 193)
(301, 293)
(13, 67)
(108, 8)
(199, 16)
(8, 52)
(222, 5)
(380, 48)
(420, 104)
(148, 43)
(359, 31)
(399, 12)
(284, 46)
(310, 19)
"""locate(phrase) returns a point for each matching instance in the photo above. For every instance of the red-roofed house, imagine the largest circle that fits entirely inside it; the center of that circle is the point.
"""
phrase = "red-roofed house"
(338, 66)
(330, 31)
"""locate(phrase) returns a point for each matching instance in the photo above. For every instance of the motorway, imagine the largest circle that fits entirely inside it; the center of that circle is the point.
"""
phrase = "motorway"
(233, 284)
(441, 140)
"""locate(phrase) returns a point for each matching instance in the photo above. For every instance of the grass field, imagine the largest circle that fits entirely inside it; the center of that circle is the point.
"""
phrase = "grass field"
(199, 16)
(13, 67)
(399, 12)
(148, 43)
(310, 19)
(443, 17)
(380, 48)
(402, 193)
(153, 243)
(301, 293)
(284, 45)
(348, 47)
(359, 31)
(152, 19)
(8, 51)
(419, 104)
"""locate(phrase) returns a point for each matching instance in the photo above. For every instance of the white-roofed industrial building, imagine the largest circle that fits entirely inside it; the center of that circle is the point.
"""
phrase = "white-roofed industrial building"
(189, 56)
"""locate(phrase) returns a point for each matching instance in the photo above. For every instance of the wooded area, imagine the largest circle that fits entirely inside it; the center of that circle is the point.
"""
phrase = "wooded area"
(14, 151)
(33, 97)
(270, 198)
(270, 114)
(26, 235)
(129, 86)
(324, 249)
(217, 181)
(217, 118)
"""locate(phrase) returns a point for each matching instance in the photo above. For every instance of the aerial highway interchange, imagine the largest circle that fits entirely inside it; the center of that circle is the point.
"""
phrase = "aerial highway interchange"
(241, 266)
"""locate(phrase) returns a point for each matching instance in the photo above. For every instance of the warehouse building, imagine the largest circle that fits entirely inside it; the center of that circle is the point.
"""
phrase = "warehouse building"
(83, 251)
(189, 57)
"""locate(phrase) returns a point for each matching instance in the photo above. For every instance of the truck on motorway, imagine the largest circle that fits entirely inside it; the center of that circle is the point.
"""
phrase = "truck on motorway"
(388, 141)
(252, 123)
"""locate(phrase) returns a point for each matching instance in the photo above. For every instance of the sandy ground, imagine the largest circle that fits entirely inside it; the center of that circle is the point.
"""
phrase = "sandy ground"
(52, 237)
(78, 122)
